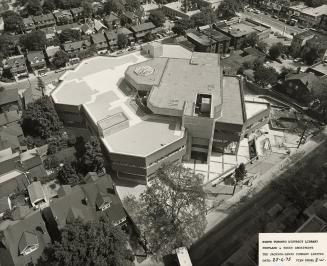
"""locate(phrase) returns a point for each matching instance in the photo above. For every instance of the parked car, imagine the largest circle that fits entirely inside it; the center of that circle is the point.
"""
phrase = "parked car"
(274, 16)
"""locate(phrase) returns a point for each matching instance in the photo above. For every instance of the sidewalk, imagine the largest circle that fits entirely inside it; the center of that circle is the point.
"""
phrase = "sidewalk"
(222, 211)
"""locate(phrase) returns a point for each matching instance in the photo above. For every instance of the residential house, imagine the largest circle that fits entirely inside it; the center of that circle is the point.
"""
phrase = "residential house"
(50, 35)
(239, 29)
(307, 39)
(24, 240)
(44, 21)
(16, 65)
(78, 13)
(142, 29)
(9, 100)
(93, 26)
(50, 52)
(100, 42)
(302, 87)
(74, 48)
(28, 24)
(101, 197)
(9, 117)
(131, 18)
(71, 204)
(307, 16)
(112, 21)
(36, 60)
(147, 9)
(63, 17)
(73, 26)
(36, 194)
(112, 36)
(209, 40)
(11, 134)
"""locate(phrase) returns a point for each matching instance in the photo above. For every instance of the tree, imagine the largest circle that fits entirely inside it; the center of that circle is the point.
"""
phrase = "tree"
(94, 243)
(205, 17)
(122, 40)
(49, 6)
(132, 5)
(69, 35)
(311, 55)
(6, 41)
(265, 75)
(315, 3)
(92, 159)
(13, 22)
(181, 26)
(148, 37)
(228, 8)
(87, 8)
(34, 8)
(40, 119)
(68, 176)
(262, 46)
(116, 6)
(171, 212)
(275, 51)
(34, 41)
(60, 59)
(250, 40)
(240, 172)
(157, 17)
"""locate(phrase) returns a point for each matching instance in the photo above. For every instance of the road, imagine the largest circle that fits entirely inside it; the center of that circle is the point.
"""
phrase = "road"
(274, 23)
(224, 238)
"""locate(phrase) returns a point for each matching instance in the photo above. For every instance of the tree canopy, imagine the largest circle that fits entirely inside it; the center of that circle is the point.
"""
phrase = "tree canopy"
(92, 159)
(157, 17)
(275, 51)
(122, 40)
(310, 55)
(13, 22)
(40, 119)
(91, 244)
(265, 75)
(205, 17)
(49, 6)
(228, 8)
(60, 59)
(170, 213)
(69, 35)
(6, 40)
(87, 8)
(34, 41)
(34, 7)
(114, 6)
(67, 175)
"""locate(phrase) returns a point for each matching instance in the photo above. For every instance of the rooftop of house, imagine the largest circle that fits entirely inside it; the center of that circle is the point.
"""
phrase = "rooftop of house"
(76, 10)
(8, 96)
(28, 20)
(255, 107)
(43, 18)
(35, 191)
(15, 61)
(308, 79)
(76, 45)
(319, 69)
(315, 11)
(10, 136)
(199, 37)
(70, 206)
(52, 50)
(242, 27)
(143, 27)
(215, 35)
(179, 7)
(111, 18)
(21, 234)
(98, 38)
(9, 117)
(33, 56)
(68, 26)
(59, 13)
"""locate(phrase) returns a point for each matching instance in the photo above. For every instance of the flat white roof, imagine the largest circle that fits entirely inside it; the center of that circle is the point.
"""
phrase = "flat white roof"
(178, 7)
(98, 84)
(183, 257)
